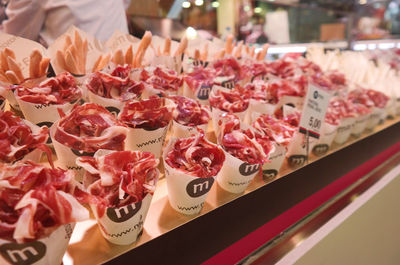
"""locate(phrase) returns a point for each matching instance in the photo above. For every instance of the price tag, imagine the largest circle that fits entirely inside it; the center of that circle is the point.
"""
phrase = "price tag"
(314, 109)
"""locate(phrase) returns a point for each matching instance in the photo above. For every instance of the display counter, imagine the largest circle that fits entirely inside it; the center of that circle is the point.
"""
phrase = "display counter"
(173, 238)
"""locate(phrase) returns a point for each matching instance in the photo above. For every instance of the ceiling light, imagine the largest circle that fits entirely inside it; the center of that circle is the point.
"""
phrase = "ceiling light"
(199, 2)
(257, 10)
(186, 4)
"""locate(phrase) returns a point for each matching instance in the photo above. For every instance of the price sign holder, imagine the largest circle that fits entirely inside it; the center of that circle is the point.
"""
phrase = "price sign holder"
(314, 109)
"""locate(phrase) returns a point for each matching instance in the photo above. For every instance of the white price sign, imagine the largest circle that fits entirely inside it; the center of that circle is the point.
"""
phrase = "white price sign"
(314, 110)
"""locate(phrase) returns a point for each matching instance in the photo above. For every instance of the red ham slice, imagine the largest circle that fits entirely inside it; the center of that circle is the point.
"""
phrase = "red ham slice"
(17, 137)
(148, 114)
(229, 101)
(196, 156)
(60, 89)
(163, 79)
(199, 77)
(279, 131)
(115, 87)
(91, 127)
(190, 112)
(119, 178)
(36, 200)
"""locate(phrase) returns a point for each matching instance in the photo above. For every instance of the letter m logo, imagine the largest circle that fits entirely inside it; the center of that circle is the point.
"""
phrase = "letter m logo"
(123, 213)
(24, 253)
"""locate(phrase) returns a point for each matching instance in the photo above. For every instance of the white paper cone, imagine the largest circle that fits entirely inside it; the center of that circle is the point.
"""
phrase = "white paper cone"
(328, 133)
(297, 149)
(112, 105)
(360, 124)
(9, 95)
(42, 114)
(344, 130)
(46, 251)
(34, 156)
(260, 107)
(201, 94)
(66, 156)
(215, 113)
(182, 131)
(147, 141)
(277, 156)
(124, 225)
(374, 118)
(235, 174)
(186, 193)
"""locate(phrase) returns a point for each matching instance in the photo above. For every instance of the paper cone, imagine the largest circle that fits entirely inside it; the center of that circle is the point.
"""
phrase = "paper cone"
(112, 105)
(259, 107)
(9, 95)
(215, 113)
(201, 93)
(124, 225)
(42, 114)
(146, 140)
(344, 130)
(66, 156)
(170, 62)
(360, 124)
(235, 174)
(182, 131)
(322, 145)
(297, 149)
(46, 251)
(374, 118)
(276, 157)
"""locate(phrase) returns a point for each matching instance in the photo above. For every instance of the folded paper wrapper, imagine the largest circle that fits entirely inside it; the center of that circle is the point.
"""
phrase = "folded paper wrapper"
(258, 108)
(183, 131)
(42, 114)
(360, 124)
(186, 193)
(65, 157)
(46, 251)
(123, 225)
(297, 149)
(215, 113)
(375, 117)
(344, 130)
(146, 140)
(235, 174)
(112, 105)
(328, 133)
(276, 157)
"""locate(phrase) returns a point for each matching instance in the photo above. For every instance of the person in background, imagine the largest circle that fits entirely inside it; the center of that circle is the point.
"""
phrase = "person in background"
(45, 20)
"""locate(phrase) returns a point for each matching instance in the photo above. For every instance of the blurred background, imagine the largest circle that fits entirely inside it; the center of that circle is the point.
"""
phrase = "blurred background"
(338, 24)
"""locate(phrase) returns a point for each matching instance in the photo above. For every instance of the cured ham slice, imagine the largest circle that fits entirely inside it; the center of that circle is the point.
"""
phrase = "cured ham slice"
(19, 137)
(36, 200)
(162, 79)
(60, 89)
(90, 127)
(196, 156)
(119, 178)
(190, 112)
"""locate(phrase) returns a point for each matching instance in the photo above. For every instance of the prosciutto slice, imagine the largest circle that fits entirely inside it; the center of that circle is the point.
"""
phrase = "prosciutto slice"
(36, 200)
(240, 142)
(119, 178)
(116, 87)
(19, 137)
(60, 89)
(148, 114)
(368, 97)
(91, 127)
(160, 78)
(199, 77)
(228, 67)
(196, 156)
(229, 101)
(190, 112)
(277, 130)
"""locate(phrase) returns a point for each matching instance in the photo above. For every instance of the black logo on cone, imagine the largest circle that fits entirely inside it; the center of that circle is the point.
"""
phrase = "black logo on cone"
(297, 160)
(269, 174)
(320, 149)
(123, 213)
(203, 92)
(228, 84)
(24, 253)
(248, 169)
(199, 187)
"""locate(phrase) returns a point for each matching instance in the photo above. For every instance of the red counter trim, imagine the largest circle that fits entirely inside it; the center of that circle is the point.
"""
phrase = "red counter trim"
(268, 231)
